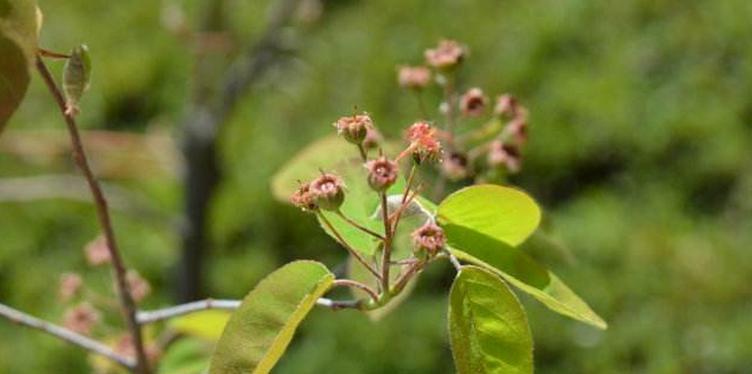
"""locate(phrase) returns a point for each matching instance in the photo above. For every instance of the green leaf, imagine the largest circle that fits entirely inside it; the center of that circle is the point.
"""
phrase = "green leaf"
(520, 270)
(260, 330)
(206, 324)
(502, 213)
(186, 356)
(488, 328)
(18, 47)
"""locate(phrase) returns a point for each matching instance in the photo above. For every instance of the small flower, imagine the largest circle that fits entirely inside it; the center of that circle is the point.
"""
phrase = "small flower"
(454, 166)
(328, 191)
(516, 129)
(506, 105)
(372, 139)
(446, 55)
(429, 238)
(81, 318)
(303, 198)
(418, 130)
(423, 142)
(97, 252)
(354, 128)
(473, 102)
(414, 77)
(138, 286)
(70, 284)
(506, 155)
(382, 173)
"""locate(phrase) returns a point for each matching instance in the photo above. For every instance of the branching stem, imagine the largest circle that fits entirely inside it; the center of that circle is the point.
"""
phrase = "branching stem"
(347, 246)
(359, 226)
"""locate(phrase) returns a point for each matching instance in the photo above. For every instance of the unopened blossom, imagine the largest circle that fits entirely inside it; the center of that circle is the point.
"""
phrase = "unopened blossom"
(328, 191)
(303, 198)
(81, 318)
(424, 143)
(473, 102)
(415, 77)
(454, 166)
(70, 285)
(446, 55)
(418, 130)
(382, 173)
(429, 238)
(372, 139)
(504, 155)
(507, 106)
(516, 130)
(138, 286)
(97, 252)
(354, 128)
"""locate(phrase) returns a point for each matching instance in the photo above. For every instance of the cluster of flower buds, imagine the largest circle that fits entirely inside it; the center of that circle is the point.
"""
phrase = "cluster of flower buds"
(424, 142)
(326, 192)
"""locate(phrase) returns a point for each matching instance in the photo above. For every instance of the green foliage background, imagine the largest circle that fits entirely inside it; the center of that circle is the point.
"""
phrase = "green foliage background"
(641, 133)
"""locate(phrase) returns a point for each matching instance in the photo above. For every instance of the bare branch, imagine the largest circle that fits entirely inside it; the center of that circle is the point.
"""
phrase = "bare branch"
(358, 285)
(127, 305)
(21, 318)
(146, 317)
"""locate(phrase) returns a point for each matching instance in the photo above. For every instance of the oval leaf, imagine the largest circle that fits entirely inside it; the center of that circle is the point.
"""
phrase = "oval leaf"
(488, 328)
(502, 213)
(260, 330)
(18, 46)
(519, 269)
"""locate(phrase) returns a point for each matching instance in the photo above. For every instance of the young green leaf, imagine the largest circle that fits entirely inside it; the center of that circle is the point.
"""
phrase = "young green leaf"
(207, 324)
(260, 330)
(488, 328)
(18, 48)
(502, 213)
(520, 270)
(76, 76)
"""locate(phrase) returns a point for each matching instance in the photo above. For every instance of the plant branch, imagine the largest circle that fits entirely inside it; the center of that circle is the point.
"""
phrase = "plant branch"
(358, 285)
(21, 318)
(387, 250)
(127, 305)
(146, 317)
(347, 246)
(359, 226)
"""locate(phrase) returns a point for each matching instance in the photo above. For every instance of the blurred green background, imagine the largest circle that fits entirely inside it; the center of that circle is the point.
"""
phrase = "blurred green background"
(641, 130)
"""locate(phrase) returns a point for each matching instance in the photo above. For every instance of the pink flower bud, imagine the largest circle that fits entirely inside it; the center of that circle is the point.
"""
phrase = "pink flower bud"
(423, 142)
(506, 106)
(138, 286)
(454, 167)
(70, 284)
(328, 191)
(372, 139)
(97, 252)
(429, 238)
(354, 128)
(516, 129)
(382, 173)
(414, 77)
(303, 198)
(81, 318)
(446, 55)
(505, 155)
(473, 102)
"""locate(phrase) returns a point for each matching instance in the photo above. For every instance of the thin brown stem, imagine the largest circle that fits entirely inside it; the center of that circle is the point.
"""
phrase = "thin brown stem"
(127, 305)
(363, 153)
(51, 54)
(347, 246)
(21, 318)
(359, 226)
(387, 250)
(404, 278)
(358, 285)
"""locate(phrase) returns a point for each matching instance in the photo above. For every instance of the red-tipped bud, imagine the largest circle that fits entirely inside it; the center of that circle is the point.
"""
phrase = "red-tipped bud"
(414, 77)
(446, 55)
(506, 106)
(354, 128)
(373, 138)
(303, 198)
(328, 191)
(473, 103)
(70, 284)
(81, 318)
(454, 167)
(382, 173)
(429, 238)
(423, 142)
(504, 155)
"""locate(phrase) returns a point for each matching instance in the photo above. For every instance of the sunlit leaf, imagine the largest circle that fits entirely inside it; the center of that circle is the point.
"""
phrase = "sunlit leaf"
(186, 356)
(502, 213)
(260, 330)
(488, 328)
(206, 324)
